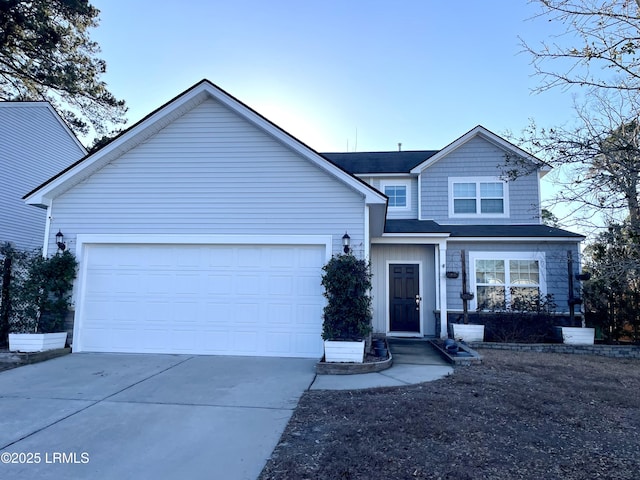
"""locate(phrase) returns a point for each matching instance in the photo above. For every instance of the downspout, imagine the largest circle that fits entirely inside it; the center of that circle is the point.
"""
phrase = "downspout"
(367, 233)
(420, 196)
(47, 229)
(442, 282)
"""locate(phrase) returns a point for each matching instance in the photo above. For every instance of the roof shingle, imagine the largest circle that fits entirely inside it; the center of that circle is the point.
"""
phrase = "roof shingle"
(379, 162)
(429, 226)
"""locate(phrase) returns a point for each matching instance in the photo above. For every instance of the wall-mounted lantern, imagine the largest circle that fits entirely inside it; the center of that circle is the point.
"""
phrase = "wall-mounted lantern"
(60, 241)
(346, 242)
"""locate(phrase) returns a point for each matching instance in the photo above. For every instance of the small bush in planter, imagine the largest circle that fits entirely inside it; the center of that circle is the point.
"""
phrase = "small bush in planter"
(347, 282)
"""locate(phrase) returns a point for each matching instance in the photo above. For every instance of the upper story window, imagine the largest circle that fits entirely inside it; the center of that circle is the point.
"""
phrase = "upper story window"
(399, 193)
(479, 196)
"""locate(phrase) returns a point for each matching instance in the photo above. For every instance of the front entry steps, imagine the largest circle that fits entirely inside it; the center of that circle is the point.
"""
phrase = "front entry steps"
(415, 351)
(464, 356)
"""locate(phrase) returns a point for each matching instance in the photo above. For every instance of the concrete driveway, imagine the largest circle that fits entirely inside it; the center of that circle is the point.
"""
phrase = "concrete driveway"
(106, 416)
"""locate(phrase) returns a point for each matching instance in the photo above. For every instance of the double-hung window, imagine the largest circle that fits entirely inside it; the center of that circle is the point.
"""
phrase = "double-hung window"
(502, 280)
(481, 196)
(399, 193)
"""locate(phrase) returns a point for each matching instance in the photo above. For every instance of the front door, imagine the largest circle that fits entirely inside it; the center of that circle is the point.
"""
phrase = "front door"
(404, 298)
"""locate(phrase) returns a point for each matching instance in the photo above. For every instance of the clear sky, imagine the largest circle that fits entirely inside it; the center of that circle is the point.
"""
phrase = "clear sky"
(338, 74)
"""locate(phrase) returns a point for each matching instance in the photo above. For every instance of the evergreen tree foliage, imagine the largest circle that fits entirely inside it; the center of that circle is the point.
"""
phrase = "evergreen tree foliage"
(46, 53)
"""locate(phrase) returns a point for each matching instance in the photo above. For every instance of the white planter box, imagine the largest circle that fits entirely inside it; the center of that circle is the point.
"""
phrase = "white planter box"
(343, 351)
(36, 342)
(577, 335)
(468, 333)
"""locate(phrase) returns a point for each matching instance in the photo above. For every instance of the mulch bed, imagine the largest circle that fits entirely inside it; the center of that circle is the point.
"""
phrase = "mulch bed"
(517, 416)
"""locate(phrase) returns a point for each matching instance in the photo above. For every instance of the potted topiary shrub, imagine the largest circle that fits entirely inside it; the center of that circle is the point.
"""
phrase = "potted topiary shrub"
(347, 314)
(40, 301)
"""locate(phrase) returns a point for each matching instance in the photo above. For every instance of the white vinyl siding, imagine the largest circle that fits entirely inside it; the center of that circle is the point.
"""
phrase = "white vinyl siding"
(211, 172)
(477, 158)
(34, 146)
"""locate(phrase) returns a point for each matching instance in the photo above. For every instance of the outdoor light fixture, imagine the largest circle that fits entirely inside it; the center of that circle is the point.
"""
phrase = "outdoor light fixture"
(60, 241)
(346, 242)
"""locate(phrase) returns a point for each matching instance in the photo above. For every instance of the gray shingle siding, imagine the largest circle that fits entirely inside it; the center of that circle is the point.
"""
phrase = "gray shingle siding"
(556, 274)
(477, 158)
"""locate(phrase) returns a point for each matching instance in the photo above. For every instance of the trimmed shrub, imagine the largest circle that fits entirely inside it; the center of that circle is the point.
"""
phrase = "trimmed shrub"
(347, 283)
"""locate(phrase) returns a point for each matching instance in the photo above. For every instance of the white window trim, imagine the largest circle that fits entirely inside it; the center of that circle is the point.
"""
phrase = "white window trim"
(478, 181)
(505, 256)
(398, 183)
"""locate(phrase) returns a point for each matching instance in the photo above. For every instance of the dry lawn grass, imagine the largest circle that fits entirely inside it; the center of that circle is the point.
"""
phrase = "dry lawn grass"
(518, 416)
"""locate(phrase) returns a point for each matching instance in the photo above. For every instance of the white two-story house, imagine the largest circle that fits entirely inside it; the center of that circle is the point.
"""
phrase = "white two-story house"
(204, 227)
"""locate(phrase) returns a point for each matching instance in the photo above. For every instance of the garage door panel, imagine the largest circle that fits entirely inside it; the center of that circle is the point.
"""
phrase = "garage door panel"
(279, 314)
(245, 342)
(251, 257)
(186, 312)
(281, 285)
(306, 344)
(307, 285)
(279, 258)
(218, 313)
(246, 313)
(218, 284)
(186, 284)
(223, 258)
(157, 312)
(208, 299)
(307, 314)
(278, 343)
(248, 285)
(214, 341)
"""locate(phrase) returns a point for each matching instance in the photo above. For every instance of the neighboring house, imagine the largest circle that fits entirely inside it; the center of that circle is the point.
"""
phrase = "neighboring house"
(204, 227)
(35, 144)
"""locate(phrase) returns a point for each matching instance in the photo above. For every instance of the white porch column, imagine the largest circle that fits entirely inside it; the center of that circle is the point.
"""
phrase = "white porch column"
(441, 270)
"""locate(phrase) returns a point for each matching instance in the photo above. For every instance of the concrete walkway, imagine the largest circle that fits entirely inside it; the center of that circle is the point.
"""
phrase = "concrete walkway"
(414, 361)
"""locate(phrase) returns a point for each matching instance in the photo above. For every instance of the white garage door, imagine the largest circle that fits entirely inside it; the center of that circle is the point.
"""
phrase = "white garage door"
(205, 299)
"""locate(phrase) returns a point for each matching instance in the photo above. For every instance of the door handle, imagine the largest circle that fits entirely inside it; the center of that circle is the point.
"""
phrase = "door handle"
(418, 300)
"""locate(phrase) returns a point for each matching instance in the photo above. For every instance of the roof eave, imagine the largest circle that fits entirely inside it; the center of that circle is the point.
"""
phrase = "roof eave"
(570, 239)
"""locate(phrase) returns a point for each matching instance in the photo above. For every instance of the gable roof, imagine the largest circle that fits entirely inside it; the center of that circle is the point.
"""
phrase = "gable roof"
(172, 110)
(414, 162)
(491, 137)
(380, 162)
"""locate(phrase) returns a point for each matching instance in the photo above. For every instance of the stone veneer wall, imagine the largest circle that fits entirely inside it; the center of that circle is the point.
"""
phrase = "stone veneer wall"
(613, 351)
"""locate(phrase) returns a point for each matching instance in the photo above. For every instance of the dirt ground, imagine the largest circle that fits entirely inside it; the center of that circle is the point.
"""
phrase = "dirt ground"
(517, 416)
